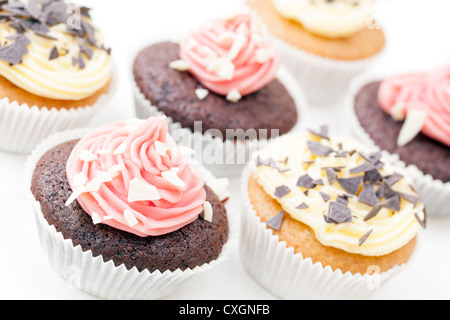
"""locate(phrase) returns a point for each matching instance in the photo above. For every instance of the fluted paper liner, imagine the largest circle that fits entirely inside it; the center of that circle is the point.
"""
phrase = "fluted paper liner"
(323, 80)
(290, 276)
(22, 127)
(434, 192)
(230, 150)
(91, 273)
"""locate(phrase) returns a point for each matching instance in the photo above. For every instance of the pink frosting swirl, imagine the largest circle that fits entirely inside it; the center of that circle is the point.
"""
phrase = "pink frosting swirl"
(429, 92)
(115, 171)
(231, 54)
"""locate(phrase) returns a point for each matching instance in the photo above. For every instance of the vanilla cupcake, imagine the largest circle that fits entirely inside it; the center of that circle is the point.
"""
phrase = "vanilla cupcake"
(122, 212)
(326, 218)
(325, 43)
(55, 71)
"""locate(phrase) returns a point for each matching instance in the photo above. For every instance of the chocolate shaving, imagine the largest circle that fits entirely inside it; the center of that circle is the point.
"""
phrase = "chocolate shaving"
(423, 222)
(331, 175)
(393, 203)
(365, 167)
(338, 213)
(305, 181)
(368, 196)
(319, 149)
(408, 197)
(351, 185)
(302, 206)
(373, 158)
(282, 191)
(54, 53)
(324, 196)
(275, 222)
(267, 163)
(364, 238)
(392, 179)
(14, 52)
(373, 213)
(322, 134)
(385, 191)
(372, 176)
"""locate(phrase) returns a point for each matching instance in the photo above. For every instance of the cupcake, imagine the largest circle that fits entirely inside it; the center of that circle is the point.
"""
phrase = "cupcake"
(55, 71)
(408, 116)
(123, 214)
(220, 85)
(326, 218)
(325, 43)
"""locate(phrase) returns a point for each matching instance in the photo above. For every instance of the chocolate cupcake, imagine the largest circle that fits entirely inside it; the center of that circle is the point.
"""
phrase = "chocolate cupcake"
(326, 217)
(55, 71)
(124, 204)
(219, 83)
(408, 117)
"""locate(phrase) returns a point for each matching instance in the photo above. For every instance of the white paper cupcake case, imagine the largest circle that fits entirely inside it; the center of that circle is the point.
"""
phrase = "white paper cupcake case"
(434, 192)
(323, 80)
(102, 279)
(229, 149)
(22, 127)
(289, 276)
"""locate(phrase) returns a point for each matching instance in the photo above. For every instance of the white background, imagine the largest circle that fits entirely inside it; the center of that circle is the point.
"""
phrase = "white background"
(417, 33)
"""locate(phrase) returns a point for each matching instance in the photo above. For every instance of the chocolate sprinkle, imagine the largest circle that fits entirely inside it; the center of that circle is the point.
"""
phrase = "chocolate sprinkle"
(364, 238)
(282, 191)
(351, 185)
(275, 222)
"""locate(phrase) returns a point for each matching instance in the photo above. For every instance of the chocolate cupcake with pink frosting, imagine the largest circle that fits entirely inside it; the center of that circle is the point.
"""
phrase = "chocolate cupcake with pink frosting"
(408, 116)
(125, 209)
(223, 81)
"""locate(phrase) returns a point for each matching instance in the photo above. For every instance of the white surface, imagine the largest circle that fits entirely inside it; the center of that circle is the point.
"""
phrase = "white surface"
(417, 34)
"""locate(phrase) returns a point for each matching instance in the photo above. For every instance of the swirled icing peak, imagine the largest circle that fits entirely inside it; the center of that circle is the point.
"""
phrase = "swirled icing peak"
(52, 50)
(231, 57)
(426, 94)
(352, 199)
(332, 19)
(131, 176)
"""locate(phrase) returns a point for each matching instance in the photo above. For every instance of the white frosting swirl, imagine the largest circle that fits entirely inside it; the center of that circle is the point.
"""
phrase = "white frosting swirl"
(58, 78)
(389, 230)
(332, 19)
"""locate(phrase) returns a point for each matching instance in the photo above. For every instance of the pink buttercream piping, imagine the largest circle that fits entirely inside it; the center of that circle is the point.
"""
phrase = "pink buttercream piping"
(429, 92)
(178, 206)
(241, 40)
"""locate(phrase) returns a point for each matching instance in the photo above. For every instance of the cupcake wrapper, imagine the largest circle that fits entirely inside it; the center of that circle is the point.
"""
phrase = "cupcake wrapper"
(103, 279)
(22, 127)
(290, 276)
(323, 80)
(434, 192)
(232, 155)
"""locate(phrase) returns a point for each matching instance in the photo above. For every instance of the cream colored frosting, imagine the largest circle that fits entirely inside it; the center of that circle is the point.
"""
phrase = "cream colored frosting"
(58, 78)
(333, 19)
(389, 230)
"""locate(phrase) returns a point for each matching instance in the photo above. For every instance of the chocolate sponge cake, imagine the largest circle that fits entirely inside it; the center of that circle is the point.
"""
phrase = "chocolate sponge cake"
(197, 243)
(173, 93)
(430, 156)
